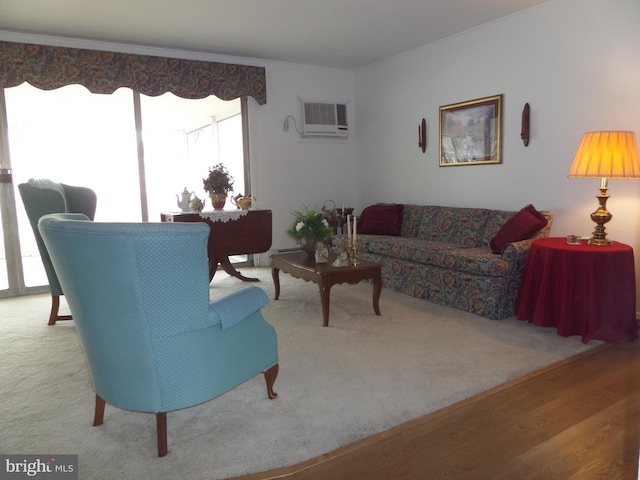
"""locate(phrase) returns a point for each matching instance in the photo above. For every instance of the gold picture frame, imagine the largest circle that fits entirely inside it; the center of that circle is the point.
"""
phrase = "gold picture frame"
(471, 132)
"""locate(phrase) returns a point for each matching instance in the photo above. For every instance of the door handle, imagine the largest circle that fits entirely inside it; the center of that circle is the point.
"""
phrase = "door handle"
(5, 175)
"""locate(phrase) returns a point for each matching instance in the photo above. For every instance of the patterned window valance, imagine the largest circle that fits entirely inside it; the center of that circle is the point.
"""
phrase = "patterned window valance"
(48, 67)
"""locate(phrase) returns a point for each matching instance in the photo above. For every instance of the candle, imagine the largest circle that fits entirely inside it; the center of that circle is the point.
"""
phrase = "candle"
(342, 213)
(349, 227)
(355, 220)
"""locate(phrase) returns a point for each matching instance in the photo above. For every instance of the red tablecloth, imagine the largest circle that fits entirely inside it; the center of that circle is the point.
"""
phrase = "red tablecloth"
(581, 289)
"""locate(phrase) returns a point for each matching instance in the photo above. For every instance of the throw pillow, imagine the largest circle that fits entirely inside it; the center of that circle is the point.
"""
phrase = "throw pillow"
(519, 227)
(381, 219)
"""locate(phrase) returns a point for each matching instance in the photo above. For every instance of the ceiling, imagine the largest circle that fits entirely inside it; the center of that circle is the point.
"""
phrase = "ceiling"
(334, 33)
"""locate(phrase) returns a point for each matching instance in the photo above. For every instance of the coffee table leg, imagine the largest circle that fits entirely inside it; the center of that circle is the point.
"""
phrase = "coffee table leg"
(324, 298)
(377, 289)
(275, 273)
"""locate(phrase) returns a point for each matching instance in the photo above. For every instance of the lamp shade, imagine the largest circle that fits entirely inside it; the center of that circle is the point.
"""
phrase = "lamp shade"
(607, 155)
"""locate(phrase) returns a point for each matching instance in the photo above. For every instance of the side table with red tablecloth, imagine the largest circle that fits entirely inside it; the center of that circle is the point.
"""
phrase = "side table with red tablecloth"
(585, 290)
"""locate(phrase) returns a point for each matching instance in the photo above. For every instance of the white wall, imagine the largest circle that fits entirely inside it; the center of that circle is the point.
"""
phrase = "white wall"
(577, 63)
(289, 172)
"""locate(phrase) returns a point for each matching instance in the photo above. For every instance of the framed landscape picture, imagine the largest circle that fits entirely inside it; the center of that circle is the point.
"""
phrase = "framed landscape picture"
(471, 132)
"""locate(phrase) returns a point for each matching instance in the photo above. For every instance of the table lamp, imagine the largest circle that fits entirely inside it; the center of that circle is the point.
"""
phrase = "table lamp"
(605, 155)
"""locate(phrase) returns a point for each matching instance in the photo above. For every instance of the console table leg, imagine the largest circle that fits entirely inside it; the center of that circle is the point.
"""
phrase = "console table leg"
(213, 266)
(230, 269)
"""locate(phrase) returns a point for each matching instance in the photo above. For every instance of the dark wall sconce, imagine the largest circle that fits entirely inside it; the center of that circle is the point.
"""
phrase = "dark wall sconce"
(422, 135)
(524, 132)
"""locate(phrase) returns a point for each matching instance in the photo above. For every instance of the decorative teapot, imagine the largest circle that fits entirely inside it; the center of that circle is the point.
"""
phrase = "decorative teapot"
(196, 204)
(243, 202)
(184, 202)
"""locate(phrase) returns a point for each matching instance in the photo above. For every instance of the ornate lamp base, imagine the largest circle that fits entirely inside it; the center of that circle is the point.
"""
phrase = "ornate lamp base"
(601, 216)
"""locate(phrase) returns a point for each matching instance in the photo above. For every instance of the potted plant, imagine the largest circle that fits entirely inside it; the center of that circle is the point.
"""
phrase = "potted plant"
(218, 184)
(309, 227)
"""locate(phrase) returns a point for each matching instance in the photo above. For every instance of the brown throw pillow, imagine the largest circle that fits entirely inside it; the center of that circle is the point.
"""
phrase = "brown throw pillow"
(381, 220)
(519, 227)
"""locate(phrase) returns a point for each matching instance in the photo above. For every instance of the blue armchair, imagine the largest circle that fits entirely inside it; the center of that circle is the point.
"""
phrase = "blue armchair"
(139, 294)
(41, 197)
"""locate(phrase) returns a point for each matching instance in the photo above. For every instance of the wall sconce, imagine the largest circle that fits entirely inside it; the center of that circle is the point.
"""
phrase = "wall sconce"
(422, 135)
(605, 155)
(524, 131)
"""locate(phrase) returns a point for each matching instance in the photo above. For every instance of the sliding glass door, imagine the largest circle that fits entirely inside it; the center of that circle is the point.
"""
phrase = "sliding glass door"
(75, 137)
(71, 136)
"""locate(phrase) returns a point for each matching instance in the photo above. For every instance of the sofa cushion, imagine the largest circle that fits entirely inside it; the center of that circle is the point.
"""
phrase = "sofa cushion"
(412, 249)
(477, 261)
(495, 221)
(411, 218)
(462, 226)
(474, 260)
(381, 219)
(519, 227)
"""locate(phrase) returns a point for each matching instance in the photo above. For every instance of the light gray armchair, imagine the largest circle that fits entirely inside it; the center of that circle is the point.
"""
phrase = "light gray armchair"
(43, 196)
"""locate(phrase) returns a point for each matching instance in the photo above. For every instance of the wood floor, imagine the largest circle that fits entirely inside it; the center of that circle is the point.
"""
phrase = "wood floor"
(576, 420)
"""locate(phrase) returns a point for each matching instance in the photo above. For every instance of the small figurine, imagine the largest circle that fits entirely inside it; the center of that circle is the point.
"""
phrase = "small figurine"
(322, 253)
(342, 260)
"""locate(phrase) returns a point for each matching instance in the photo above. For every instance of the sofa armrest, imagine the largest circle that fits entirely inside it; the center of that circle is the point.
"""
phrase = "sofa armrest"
(516, 254)
(235, 307)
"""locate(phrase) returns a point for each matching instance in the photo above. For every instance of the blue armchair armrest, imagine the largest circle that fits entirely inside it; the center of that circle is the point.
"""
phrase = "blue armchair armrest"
(81, 217)
(235, 307)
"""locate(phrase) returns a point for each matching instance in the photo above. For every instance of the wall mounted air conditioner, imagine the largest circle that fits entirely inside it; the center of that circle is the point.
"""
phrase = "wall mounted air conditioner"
(322, 119)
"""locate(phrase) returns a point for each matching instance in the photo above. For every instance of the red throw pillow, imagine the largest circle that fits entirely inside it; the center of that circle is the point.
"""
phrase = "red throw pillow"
(519, 227)
(381, 220)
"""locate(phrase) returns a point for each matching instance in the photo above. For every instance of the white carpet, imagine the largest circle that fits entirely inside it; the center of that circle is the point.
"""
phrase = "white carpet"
(362, 375)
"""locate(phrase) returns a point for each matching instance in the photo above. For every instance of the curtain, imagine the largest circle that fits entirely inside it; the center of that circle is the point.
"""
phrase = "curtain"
(48, 67)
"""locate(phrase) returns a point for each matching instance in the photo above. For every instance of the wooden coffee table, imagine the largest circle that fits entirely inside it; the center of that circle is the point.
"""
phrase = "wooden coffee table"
(301, 265)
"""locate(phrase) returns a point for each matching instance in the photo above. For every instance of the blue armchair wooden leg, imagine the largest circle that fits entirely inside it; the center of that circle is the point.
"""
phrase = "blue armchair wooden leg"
(55, 306)
(161, 422)
(270, 377)
(98, 416)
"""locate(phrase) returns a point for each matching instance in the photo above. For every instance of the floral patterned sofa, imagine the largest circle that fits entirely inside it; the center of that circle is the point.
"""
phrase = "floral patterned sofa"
(467, 258)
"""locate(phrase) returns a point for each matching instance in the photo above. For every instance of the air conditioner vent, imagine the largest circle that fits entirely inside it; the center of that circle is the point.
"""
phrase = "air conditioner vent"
(322, 119)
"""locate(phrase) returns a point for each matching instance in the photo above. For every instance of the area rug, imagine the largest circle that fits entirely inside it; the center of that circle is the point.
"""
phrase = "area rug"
(362, 375)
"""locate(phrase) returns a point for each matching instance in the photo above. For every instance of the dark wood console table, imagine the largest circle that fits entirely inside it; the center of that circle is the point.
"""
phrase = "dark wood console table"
(250, 233)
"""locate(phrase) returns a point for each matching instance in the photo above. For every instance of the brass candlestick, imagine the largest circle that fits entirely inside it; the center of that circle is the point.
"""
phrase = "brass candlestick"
(352, 248)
